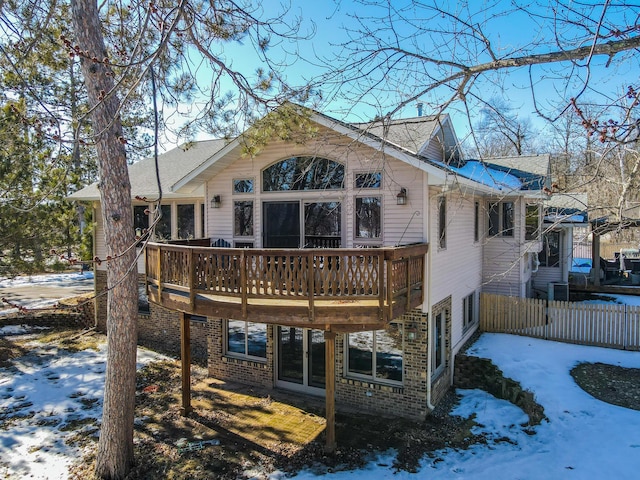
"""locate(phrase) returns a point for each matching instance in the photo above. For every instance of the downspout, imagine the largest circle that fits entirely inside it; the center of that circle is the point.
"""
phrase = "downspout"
(430, 406)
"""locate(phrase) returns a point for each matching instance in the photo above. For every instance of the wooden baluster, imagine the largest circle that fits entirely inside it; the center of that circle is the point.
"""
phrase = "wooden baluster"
(191, 256)
(159, 273)
(244, 287)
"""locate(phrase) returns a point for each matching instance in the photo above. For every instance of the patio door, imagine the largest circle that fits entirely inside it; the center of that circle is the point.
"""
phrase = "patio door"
(300, 359)
(283, 226)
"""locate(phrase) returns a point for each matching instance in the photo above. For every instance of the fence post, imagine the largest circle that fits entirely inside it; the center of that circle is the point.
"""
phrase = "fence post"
(625, 339)
(546, 319)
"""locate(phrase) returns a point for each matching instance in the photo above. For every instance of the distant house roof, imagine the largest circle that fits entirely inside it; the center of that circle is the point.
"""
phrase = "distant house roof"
(172, 165)
(566, 208)
(534, 171)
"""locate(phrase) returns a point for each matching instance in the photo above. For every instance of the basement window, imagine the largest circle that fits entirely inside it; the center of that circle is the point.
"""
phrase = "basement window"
(246, 340)
(376, 355)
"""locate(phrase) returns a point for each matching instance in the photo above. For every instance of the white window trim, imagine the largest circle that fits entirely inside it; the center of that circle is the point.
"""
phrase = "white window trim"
(372, 378)
(443, 327)
(467, 323)
(241, 356)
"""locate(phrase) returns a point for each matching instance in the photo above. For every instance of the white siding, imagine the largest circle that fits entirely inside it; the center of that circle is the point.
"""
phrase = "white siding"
(401, 223)
(457, 269)
(505, 258)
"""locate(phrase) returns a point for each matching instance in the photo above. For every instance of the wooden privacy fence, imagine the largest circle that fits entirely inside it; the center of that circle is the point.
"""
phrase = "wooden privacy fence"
(603, 325)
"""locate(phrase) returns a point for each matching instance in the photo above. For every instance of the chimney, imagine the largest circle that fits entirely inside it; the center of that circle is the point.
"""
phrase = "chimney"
(419, 105)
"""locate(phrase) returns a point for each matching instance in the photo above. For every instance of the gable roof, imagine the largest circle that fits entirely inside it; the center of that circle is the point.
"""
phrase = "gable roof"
(184, 170)
(172, 166)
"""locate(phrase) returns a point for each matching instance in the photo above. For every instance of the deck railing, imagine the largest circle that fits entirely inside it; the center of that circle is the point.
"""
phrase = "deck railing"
(392, 277)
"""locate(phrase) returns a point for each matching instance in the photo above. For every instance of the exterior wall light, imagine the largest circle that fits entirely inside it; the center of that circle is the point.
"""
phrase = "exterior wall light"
(216, 201)
(401, 198)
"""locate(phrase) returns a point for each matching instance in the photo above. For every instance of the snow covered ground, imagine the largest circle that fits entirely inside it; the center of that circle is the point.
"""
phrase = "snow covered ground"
(39, 291)
(43, 398)
(583, 439)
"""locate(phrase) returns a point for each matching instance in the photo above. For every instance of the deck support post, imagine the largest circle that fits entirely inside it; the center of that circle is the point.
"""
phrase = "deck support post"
(185, 357)
(330, 390)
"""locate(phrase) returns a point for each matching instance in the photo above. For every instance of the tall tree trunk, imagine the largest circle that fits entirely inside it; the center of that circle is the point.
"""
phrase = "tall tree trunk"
(115, 447)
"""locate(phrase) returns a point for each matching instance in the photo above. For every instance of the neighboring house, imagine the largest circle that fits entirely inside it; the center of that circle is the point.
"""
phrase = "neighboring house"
(564, 213)
(386, 238)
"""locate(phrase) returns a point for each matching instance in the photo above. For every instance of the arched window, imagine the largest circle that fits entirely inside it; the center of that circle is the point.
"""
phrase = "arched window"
(303, 173)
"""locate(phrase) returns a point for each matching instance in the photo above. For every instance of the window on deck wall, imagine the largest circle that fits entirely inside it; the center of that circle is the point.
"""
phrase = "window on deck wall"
(163, 227)
(246, 339)
(140, 218)
(368, 217)
(303, 173)
(186, 221)
(243, 218)
(377, 355)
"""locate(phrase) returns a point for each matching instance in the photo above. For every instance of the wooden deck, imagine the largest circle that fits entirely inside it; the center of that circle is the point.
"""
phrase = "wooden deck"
(328, 289)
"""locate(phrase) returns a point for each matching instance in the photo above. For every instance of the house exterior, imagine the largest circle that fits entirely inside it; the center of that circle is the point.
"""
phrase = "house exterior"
(564, 213)
(348, 259)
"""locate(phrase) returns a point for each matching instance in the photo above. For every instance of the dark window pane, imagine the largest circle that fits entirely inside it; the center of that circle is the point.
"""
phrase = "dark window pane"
(140, 218)
(303, 173)
(442, 222)
(361, 353)
(494, 219)
(507, 219)
(322, 225)
(476, 222)
(243, 186)
(438, 337)
(202, 220)
(368, 217)
(532, 222)
(243, 219)
(369, 180)
(186, 221)
(163, 227)
(550, 254)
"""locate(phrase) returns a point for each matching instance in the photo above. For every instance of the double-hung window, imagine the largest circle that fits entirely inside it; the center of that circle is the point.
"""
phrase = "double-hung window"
(501, 218)
(246, 340)
(376, 355)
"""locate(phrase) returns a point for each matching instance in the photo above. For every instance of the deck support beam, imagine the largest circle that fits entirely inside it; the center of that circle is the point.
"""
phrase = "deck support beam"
(185, 358)
(330, 390)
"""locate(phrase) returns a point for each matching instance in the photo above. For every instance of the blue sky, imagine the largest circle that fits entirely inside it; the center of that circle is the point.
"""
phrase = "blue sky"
(555, 85)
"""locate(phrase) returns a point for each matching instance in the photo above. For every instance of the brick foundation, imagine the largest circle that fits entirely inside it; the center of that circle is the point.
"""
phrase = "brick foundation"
(224, 367)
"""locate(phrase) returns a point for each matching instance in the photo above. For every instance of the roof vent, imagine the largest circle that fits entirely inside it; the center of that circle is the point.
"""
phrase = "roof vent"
(419, 105)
